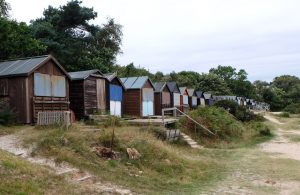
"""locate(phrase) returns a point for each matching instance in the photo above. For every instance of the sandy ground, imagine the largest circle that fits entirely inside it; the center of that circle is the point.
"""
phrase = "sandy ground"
(11, 144)
(242, 180)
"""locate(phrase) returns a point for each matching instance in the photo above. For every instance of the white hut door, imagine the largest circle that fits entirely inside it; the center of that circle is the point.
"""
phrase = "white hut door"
(176, 99)
(148, 99)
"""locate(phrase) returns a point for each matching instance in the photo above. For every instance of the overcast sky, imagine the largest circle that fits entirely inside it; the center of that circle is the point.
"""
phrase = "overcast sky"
(260, 36)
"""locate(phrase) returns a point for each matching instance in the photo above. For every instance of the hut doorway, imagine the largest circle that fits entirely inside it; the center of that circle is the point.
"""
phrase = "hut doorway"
(101, 95)
(116, 94)
(148, 99)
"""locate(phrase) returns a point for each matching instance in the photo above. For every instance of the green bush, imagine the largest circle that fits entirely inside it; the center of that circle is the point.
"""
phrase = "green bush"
(218, 120)
(239, 112)
(7, 116)
(293, 108)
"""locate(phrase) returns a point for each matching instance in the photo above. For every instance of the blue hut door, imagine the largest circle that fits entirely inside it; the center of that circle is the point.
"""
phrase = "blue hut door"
(148, 99)
(115, 94)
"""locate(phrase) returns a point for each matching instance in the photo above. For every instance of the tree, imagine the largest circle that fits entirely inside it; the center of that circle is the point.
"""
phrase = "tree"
(16, 40)
(286, 82)
(4, 8)
(214, 84)
(77, 44)
(235, 80)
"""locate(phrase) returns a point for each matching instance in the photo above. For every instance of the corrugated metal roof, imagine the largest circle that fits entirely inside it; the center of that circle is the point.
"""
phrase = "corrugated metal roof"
(110, 76)
(191, 92)
(21, 66)
(81, 75)
(182, 90)
(173, 86)
(135, 82)
(199, 94)
(159, 86)
(25, 66)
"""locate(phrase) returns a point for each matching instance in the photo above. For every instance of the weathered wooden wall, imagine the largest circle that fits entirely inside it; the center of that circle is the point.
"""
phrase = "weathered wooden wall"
(132, 102)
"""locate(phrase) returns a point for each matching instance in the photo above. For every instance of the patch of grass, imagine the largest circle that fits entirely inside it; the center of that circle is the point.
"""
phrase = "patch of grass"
(284, 114)
(5, 130)
(163, 167)
(20, 177)
(293, 137)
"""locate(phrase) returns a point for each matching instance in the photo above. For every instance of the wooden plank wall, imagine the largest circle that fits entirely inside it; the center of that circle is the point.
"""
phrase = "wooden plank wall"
(132, 102)
(90, 96)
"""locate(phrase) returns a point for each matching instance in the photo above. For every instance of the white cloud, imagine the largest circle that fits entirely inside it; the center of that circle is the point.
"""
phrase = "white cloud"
(259, 36)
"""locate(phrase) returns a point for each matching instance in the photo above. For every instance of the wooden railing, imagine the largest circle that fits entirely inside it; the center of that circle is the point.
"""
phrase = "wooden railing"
(174, 113)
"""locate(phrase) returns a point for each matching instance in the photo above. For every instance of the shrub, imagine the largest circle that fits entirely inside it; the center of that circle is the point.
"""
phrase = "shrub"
(7, 116)
(239, 112)
(218, 120)
(293, 108)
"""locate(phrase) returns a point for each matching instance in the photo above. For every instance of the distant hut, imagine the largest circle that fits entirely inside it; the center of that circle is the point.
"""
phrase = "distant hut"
(208, 99)
(162, 97)
(184, 99)
(114, 91)
(175, 94)
(34, 84)
(200, 98)
(192, 98)
(87, 93)
(139, 96)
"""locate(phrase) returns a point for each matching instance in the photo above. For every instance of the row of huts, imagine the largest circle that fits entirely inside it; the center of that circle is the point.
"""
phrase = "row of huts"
(40, 83)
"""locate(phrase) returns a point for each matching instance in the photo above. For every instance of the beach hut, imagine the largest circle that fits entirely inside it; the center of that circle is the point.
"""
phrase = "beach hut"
(208, 99)
(184, 99)
(162, 97)
(200, 98)
(34, 84)
(87, 93)
(192, 98)
(139, 96)
(114, 91)
(175, 94)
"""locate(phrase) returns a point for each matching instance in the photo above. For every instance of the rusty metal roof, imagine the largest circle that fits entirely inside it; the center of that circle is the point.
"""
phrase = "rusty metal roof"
(25, 66)
(135, 82)
(81, 75)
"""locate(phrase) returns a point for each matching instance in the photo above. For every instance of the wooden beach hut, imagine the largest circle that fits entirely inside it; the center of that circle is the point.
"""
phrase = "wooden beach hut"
(114, 90)
(200, 98)
(87, 93)
(175, 94)
(192, 98)
(34, 84)
(139, 96)
(162, 97)
(184, 99)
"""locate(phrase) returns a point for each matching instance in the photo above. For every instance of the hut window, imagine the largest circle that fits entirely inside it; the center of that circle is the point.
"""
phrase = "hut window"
(58, 86)
(42, 84)
(46, 85)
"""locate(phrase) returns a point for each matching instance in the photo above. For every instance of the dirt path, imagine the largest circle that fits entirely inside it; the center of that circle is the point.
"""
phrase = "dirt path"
(258, 172)
(11, 144)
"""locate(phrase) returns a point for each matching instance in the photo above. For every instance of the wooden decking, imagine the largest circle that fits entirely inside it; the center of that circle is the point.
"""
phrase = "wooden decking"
(152, 121)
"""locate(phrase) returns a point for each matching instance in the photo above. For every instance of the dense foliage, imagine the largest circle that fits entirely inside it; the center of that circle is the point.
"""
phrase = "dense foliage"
(79, 45)
(239, 112)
